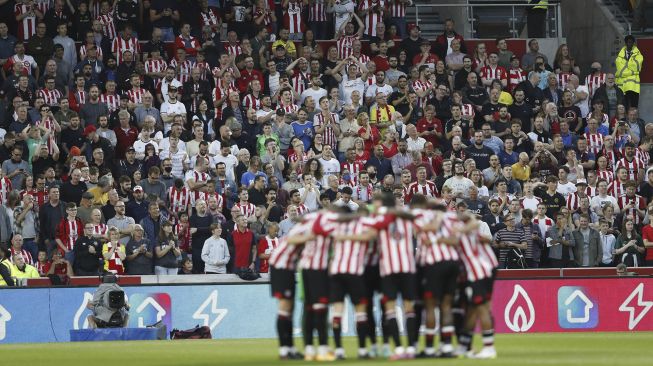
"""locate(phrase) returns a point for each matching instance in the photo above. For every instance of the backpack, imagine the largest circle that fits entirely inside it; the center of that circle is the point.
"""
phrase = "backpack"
(515, 259)
(248, 275)
(194, 333)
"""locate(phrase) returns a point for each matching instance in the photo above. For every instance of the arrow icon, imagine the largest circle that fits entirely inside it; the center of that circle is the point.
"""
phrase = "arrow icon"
(586, 309)
(160, 311)
(204, 314)
(5, 316)
(644, 305)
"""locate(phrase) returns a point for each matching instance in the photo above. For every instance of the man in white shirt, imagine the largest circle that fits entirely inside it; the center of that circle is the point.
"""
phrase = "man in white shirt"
(379, 87)
(459, 184)
(565, 187)
(171, 108)
(602, 198)
(316, 90)
(351, 81)
(143, 141)
(345, 199)
(310, 193)
(330, 165)
(230, 161)
(414, 141)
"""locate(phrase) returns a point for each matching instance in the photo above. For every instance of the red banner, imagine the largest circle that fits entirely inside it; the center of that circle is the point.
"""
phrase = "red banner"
(563, 305)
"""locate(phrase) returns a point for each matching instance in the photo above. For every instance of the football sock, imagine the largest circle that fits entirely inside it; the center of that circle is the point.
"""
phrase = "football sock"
(320, 323)
(392, 327)
(371, 322)
(430, 336)
(361, 328)
(465, 339)
(488, 338)
(307, 326)
(284, 328)
(446, 333)
(337, 331)
(411, 328)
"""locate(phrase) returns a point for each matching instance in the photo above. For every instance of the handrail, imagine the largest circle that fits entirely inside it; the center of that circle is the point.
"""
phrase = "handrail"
(619, 15)
(554, 21)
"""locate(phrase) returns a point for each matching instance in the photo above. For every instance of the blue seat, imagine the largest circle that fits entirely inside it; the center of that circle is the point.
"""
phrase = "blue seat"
(113, 334)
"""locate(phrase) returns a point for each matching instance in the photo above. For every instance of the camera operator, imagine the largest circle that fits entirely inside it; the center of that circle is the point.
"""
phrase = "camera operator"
(110, 310)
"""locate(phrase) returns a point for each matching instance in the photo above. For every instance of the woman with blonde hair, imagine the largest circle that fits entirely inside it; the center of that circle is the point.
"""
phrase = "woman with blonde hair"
(113, 252)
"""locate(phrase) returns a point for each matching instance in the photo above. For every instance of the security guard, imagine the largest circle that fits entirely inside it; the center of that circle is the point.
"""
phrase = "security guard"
(536, 18)
(5, 268)
(629, 64)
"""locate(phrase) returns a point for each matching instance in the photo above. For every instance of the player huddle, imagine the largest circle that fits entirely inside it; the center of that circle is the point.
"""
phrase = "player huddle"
(419, 253)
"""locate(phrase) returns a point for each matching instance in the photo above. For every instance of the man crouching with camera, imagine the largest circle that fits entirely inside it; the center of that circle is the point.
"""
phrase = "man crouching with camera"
(110, 310)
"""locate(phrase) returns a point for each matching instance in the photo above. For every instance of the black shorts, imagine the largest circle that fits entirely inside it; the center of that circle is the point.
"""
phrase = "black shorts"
(479, 292)
(399, 283)
(440, 279)
(372, 280)
(316, 286)
(347, 284)
(282, 283)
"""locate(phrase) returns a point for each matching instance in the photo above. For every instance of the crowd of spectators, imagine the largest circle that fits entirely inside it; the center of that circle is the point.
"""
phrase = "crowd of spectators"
(164, 136)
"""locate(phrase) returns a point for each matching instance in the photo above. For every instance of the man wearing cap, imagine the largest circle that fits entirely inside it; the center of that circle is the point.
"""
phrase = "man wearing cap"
(96, 141)
(85, 208)
(138, 207)
(171, 108)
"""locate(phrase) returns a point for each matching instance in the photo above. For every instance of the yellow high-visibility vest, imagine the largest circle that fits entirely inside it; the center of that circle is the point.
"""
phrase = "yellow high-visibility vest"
(7, 264)
(542, 4)
(628, 70)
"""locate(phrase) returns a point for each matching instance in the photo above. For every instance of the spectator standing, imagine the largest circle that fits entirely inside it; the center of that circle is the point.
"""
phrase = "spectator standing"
(588, 250)
(88, 252)
(629, 65)
(166, 251)
(139, 254)
(200, 223)
(215, 252)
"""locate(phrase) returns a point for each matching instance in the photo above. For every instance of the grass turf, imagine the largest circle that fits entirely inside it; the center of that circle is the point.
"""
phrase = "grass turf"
(514, 349)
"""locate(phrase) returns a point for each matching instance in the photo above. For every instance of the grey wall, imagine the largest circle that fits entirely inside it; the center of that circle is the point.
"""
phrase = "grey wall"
(591, 33)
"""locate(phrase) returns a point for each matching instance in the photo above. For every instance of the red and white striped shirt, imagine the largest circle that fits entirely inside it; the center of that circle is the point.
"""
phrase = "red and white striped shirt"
(25, 253)
(317, 11)
(50, 97)
(594, 142)
(428, 189)
(329, 133)
(429, 249)
(264, 244)
(100, 229)
(292, 17)
(204, 196)
(301, 210)
(315, 255)
(573, 201)
(69, 231)
(178, 199)
(246, 209)
(120, 45)
(344, 44)
(108, 26)
(419, 85)
(594, 82)
(373, 17)
(233, 49)
(251, 101)
(210, 18)
(616, 189)
(155, 66)
(497, 72)
(136, 95)
(112, 101)
(27, 27)
(612, 157)
(398, 8)
(353, 168)
(300, 81)
(515, 76)
(395, 240)
(82, 52)
(79, 97)
(285, 256)
(221, 92)
(48, 124)
(183, 69)
(350, 256)
(563, 79)
(197, 176)
(634, 167)
(608, 175)
(642, 155)
(478, 257)
(639, 203)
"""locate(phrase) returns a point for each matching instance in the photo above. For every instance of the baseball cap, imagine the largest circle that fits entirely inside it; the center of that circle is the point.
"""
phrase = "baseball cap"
(513, 57)
(124, 96)
(87, 195)
(235, 125)
(131, 148)
(581, 181)
(138, 188)
(89, 129)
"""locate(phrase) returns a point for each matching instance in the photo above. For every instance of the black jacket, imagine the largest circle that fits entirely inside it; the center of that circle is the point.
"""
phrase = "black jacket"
(602, 94)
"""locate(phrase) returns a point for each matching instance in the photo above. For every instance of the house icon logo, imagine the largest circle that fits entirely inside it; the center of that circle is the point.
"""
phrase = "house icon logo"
(577, 309)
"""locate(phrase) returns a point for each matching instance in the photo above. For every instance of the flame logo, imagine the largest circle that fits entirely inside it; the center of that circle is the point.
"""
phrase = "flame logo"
(520, 321)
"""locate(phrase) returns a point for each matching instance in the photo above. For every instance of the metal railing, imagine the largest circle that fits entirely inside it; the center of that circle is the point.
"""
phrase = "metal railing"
(619, 14)
(553, 19)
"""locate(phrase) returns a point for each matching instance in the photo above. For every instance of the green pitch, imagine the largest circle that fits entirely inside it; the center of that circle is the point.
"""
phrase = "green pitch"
(514, 349)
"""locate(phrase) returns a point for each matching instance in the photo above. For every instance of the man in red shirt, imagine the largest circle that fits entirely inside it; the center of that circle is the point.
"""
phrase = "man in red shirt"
(248, 74)
(69, 229)
(429, 127)
(266, 245)
(243, 242)
(125, 134)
